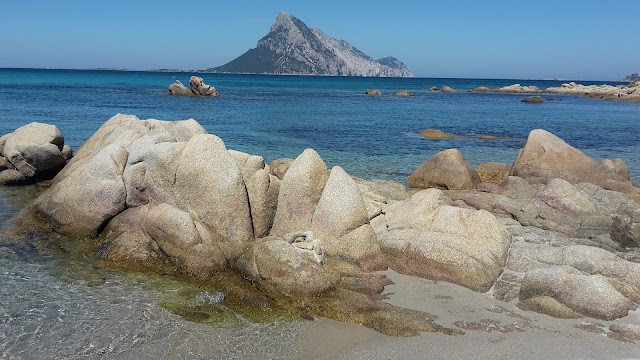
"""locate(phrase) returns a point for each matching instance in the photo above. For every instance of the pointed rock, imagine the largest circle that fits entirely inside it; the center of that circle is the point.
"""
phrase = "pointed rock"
(546, 156)
(341, 213)
(300, 193)
(217, 193)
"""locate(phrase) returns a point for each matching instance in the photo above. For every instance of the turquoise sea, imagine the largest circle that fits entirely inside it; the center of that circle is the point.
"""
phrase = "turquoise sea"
(54, 307)
(280, 116)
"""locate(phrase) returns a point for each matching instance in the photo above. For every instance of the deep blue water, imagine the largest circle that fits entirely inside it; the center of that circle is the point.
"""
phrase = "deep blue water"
(280, 116)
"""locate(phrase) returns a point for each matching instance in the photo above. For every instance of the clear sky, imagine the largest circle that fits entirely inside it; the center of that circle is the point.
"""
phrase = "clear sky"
(586, 39)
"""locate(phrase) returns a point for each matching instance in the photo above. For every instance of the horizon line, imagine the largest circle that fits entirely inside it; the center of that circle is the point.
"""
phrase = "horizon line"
(203, 71)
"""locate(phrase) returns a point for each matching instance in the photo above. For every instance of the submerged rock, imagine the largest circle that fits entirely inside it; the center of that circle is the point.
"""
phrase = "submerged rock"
(404, 93)
(480, 89)
(31, 153)
(373, 92)
(437, 134)
(447, 89)
(533, 100)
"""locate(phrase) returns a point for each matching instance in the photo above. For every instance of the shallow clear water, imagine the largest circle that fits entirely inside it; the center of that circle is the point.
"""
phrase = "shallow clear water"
(280, 116)
(63, 307)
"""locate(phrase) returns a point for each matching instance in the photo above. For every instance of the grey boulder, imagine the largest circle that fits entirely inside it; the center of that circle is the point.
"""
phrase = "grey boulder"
(36, 151)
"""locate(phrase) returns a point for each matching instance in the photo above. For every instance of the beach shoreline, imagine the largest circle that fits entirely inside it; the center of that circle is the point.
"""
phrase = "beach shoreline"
(542, 337)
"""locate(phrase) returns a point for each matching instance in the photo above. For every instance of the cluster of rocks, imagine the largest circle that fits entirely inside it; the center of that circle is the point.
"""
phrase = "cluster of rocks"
(605, 92)
(31, 153)
(376, 92)
(552, 231)
(571, 221)
(197, 87)
(160, 192)
(444, 88)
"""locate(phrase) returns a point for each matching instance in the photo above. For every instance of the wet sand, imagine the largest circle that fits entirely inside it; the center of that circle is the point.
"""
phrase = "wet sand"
(527, 335)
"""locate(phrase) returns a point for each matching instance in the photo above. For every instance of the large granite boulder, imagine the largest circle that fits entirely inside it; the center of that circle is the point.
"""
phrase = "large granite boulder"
(167, 194)
(448, 89)
(447, 169)
(172, 170)
(546, 156)
(32, 152)
(94, 186)
(425, 237)
(589, 295)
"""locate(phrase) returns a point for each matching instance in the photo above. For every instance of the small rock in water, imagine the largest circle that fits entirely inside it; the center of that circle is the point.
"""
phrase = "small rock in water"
(533, 100)
(197, 87)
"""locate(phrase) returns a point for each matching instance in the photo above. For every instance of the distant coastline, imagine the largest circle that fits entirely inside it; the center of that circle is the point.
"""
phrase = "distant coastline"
(203, 71)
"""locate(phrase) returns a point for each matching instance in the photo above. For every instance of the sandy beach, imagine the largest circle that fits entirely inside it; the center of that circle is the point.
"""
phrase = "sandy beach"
(536, 336)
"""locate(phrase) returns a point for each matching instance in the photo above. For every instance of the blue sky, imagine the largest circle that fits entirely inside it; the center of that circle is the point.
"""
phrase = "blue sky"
(588, 39)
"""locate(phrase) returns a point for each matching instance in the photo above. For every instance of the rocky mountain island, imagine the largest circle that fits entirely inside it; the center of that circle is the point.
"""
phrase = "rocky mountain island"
(292, 48)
